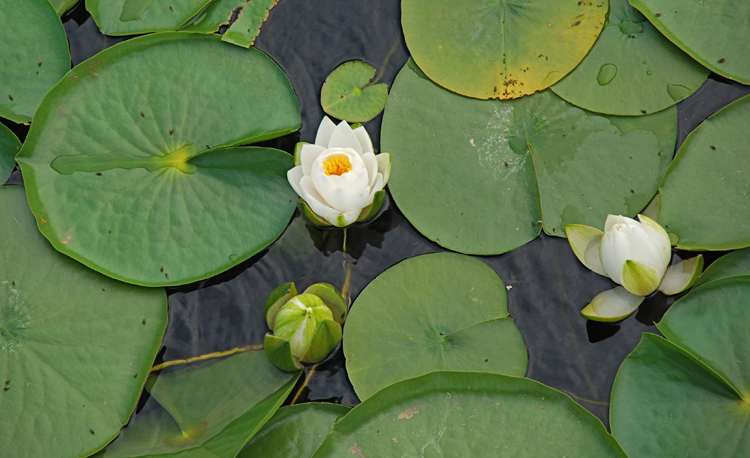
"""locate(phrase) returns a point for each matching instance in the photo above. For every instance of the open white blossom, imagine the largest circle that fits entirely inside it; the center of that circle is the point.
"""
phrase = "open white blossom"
(634, 254)
(338, 177)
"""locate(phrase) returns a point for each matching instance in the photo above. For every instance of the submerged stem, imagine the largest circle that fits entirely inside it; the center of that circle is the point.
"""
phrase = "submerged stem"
(216, 354)
(304, 384)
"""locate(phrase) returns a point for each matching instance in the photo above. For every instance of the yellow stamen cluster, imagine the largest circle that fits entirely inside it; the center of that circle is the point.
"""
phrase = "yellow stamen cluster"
(337, 164)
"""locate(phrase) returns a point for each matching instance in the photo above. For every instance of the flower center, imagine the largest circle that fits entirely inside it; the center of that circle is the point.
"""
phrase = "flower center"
(337, 164)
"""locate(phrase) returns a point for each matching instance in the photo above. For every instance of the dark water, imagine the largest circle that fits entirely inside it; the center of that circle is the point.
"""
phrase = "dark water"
(309, 38)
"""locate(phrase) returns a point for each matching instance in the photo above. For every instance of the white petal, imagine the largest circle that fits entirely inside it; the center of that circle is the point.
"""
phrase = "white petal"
(314, 200)
(326, 128)
(642, 250)
(616, 219)
(294, 176)
(308, 154)
(343, 137)
(658, 237)
(585, 242)
(354, 182)
(372, 167)
(364, 139)
(682, 275)
(615, 250)
(613, 305)
(384, 165)
(358, 202)
(378, 186)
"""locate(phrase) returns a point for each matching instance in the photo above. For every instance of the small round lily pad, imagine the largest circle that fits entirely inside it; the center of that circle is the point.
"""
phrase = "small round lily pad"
(349, 94)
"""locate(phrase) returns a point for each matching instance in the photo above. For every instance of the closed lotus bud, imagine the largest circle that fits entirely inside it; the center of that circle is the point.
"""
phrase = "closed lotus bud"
(306, 327)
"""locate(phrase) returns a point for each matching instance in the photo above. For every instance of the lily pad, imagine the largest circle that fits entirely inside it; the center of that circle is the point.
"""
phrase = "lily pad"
(207, 410)
(212, 17)
(123, 168)
(294, 431)
(730, 265)
(689, 393)
(632, 69)
(348, 94)
(713, 32)
(484, 177)
(468, 414)
(704, 200)
(75, 346)
(34, 55)
(61, 6)
(247, 26)
(130, 17)
(9, 146)
(500, 49)
(433, 312)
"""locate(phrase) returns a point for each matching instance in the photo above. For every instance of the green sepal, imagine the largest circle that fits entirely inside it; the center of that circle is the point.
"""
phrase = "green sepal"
(327, 337)
(639, 279)
(275, 300)
(356, 125)
(279, 352)
(372, 210)
(585, 242)
(682, 276)
(311, 215)
(298, 153)
(332, 298)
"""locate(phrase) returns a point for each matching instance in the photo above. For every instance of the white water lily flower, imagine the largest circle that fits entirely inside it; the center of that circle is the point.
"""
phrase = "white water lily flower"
(634, 254)
(339, 179)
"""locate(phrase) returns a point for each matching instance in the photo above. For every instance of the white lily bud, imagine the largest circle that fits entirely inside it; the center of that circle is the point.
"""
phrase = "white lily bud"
(339, 176)
(635, 254)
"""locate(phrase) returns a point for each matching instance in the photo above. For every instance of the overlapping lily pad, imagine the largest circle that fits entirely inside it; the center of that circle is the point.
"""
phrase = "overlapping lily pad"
(295, 430)
(9, 146)
(129, 17)
(122, 165)
(216, 14)
(468, 414)
(497, 48)
(61, 6)
(207, 410)
(690, 392)
(632, 69)
(730, 265)
(75, 346)
(704, 200)
(434, 312)
(34, 55)
(715, 33)
(484, 177)
(248, 23)
(348, 92)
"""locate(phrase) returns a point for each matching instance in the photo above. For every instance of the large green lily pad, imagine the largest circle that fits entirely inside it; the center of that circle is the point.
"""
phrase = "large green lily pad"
(632, 69)
(208, 410)
(75, 346)
(294, 431)
(211, 18)
(34, 55)
(122, 166)
(9, 146)
(129, 17)
(715, 33)
(690, 393)
(468, 414)
(433, 312)
(484, 177)
(704, 200)
(500, 48)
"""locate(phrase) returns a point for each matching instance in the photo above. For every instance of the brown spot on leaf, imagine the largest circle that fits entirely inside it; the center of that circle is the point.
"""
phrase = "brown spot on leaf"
(408, 413)
(356, 451)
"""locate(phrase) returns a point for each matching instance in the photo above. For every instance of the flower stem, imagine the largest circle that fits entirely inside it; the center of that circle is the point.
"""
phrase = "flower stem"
(217, 354)
(304, 384)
